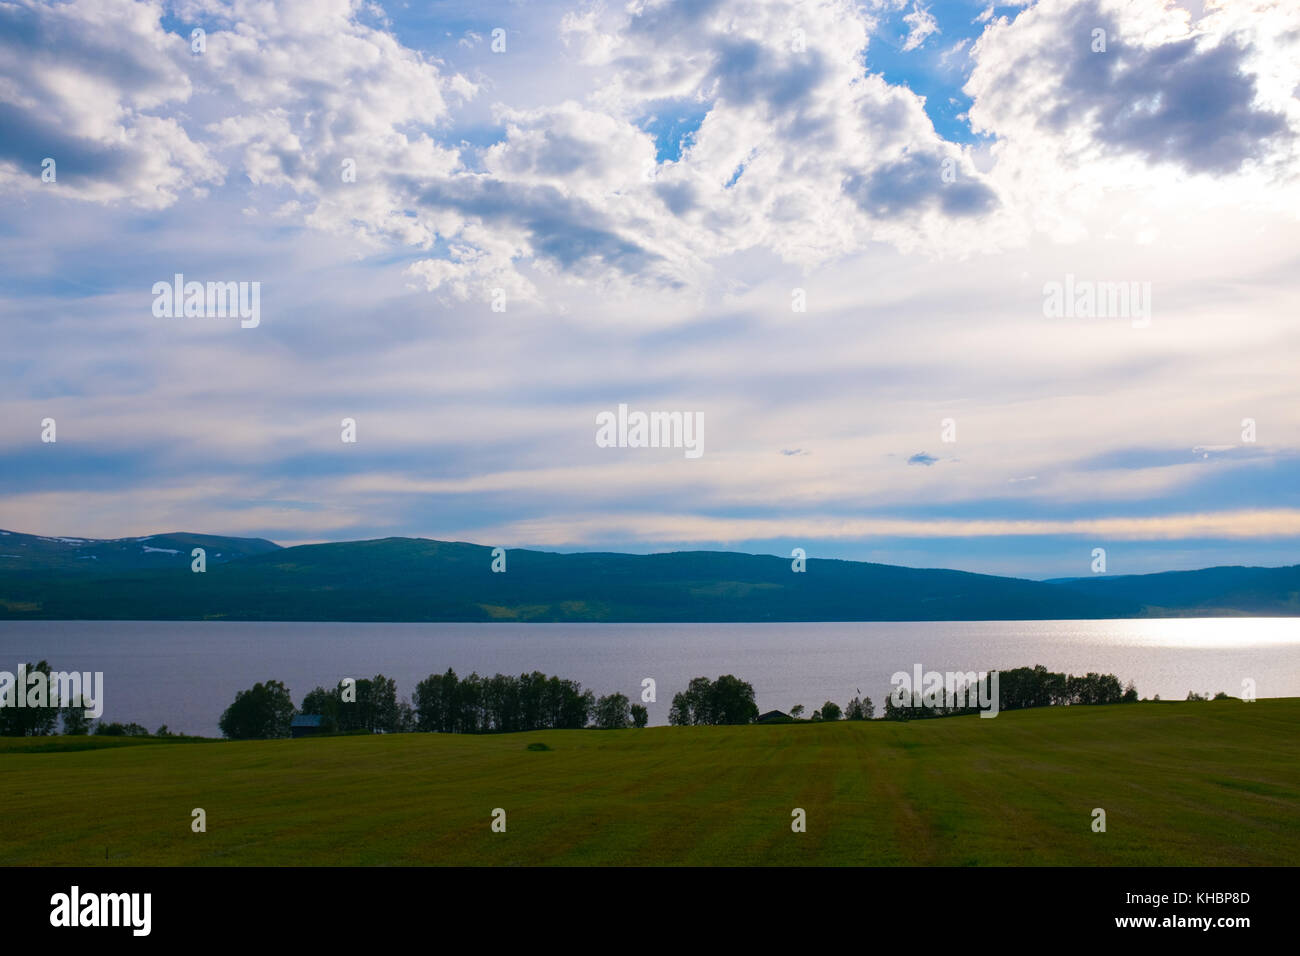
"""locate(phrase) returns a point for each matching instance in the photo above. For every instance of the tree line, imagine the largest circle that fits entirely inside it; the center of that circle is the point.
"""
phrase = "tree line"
(502, 703)
(56, 716)
(442, 703)
(1024, 687)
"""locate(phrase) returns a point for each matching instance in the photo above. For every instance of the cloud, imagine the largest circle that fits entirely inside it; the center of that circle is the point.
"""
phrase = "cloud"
(1162, 89)
(336, 112)
(86, 84)
(911, 184)
(921, 24)
(1237, 526)
(797, 154)
(793, 135)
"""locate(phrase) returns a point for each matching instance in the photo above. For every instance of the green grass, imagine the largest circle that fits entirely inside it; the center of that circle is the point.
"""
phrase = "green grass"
(1215, 783)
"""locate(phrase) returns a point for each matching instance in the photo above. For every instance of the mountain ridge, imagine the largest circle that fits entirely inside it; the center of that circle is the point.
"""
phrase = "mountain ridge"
(424, 579)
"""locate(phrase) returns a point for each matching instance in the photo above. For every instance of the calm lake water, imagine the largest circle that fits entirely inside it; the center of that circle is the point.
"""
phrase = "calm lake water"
(184, 674)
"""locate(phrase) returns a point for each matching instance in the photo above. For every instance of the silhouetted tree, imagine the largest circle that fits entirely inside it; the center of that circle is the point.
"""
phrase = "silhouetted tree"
(447, 704)
(613, 712)
(264, 711)
(859, 709)
(728, 700)
(40, 714)
(75, 721)
(121, 730)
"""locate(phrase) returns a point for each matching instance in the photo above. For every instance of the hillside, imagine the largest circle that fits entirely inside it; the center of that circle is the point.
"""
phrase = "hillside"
(409, 579)
(417, 579)
(1221, 591)
(30, 552)
(1182, 784)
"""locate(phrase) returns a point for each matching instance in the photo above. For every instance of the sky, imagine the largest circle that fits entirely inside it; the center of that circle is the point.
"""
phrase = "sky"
(832, 232)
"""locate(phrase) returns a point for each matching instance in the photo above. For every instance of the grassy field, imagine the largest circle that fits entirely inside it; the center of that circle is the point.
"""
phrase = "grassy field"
(1214, 783)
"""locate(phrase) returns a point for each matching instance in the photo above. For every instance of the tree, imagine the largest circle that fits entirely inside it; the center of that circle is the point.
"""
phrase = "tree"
(733, 701)
(325, 703)
(75, 721)
(380, 712)
(29, 720)
(375, 706)
(501, 704)
(444, 703)
(859, 709)
(796, 711)
(576, 705)
(405, 718)
(640, 716)
(469, 705)
(613, 712)
(728, 700)
(532, 700)
(262, 712)
(435, 702)
(1037, 687)
(830, 711)
(699, 696)
(1094, 688)
(115, 729)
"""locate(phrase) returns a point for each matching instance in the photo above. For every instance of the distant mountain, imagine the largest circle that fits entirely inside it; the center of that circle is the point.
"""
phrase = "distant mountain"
(416, 579)
(1226, 591)
(26, 552)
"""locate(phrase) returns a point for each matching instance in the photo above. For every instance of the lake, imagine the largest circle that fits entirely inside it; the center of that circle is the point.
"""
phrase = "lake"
(184, 674)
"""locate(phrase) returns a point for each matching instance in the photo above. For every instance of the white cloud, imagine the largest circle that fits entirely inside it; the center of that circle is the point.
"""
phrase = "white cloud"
(1101, 81)
(86, 84)
(575, 529)
(921, 25)
(798, 155)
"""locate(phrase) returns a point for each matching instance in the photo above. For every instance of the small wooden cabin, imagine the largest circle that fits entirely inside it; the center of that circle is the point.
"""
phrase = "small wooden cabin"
(305, 725)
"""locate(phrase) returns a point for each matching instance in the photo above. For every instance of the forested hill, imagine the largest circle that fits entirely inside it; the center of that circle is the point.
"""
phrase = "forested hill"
(416, 579)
